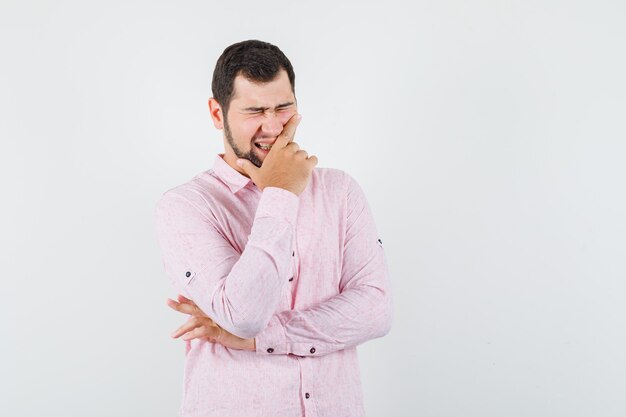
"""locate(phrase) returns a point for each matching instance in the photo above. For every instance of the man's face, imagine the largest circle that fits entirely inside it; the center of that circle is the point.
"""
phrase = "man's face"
(257, 115)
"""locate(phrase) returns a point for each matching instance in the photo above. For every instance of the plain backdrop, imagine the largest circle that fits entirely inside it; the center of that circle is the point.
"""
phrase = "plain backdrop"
(489, 137)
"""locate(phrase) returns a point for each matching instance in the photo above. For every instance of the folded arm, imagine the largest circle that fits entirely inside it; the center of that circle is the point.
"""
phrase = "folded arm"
(363, 309)
(239, 291)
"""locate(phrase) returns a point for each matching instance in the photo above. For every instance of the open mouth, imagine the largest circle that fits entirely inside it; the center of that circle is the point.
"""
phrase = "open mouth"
(263, 146)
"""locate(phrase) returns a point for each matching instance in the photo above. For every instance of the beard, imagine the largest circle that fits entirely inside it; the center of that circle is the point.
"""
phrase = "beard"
(250, 156)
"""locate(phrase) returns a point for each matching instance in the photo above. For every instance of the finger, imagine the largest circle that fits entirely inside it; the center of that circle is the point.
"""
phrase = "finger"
(313, 159)
(196, 333)
(302, 153)
(184, 299)
(293, 146)
(195, 310)
(248, 167)
(189, 335)
(210, 333)
(289, 130)
(182, 307)
(189, 325)
(194, 323)
(173, 304)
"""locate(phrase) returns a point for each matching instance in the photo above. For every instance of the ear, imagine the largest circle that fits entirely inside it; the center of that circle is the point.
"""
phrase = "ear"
(216, 114)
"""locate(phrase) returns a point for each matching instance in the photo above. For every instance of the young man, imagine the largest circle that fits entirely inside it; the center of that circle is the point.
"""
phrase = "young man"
(278, 263)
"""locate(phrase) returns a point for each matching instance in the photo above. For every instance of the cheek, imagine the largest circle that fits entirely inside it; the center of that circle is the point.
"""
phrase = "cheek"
(249, 128)
(285, 116)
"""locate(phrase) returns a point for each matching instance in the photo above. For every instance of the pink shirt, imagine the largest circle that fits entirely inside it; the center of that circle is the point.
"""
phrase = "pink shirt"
(304, 275)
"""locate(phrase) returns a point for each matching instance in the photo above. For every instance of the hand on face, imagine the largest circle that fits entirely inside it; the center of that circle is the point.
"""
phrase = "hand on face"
(199, 326)
(286, 165)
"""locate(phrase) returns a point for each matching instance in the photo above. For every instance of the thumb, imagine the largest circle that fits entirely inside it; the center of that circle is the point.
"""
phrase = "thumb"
(247, 166)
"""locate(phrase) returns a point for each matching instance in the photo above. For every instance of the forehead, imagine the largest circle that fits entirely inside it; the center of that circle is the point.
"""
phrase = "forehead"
(249, 93)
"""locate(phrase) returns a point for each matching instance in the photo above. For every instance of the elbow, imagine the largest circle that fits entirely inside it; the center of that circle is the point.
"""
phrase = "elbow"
(385, 317)
(244, 318)
(249, 328)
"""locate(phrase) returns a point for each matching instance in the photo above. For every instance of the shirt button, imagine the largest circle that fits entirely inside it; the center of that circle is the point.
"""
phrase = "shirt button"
(187, 274)
(293, 253)
(307, 395)
(270, 350)
(290, 279)
(312, 350)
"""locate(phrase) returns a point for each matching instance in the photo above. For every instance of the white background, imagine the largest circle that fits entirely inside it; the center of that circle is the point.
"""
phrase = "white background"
(489, 137)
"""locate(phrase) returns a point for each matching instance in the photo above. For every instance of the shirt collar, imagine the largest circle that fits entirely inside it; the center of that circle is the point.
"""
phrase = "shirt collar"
(229, 175)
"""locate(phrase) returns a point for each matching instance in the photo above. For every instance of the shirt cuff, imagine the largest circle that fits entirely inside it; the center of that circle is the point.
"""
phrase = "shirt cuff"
(278, 202)
(272, 340)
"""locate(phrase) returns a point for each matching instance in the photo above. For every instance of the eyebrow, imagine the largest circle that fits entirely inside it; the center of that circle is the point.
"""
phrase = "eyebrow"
(267, 108)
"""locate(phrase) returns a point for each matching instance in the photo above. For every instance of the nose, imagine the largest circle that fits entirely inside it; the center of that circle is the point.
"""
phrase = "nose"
(271, 126)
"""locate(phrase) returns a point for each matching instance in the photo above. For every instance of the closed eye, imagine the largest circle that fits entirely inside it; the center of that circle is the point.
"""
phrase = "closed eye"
(259, 110)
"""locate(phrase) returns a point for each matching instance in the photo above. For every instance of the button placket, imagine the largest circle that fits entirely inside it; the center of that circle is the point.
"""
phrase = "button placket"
(308, 384)
(293, 266)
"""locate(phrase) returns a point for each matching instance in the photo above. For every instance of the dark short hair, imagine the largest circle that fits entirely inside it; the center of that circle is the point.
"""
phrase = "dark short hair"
(256, 60)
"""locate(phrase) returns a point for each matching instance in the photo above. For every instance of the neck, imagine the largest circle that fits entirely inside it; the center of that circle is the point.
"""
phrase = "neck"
(231, 159)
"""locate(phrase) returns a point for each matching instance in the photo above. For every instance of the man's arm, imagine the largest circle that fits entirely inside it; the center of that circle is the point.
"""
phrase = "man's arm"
(363, 309)
(239, 292)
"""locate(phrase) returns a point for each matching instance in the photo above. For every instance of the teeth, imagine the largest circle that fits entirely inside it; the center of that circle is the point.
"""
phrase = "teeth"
(264, 147)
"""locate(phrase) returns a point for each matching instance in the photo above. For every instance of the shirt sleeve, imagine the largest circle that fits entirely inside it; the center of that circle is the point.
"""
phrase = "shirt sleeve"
(239, 291)
(361, 311)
